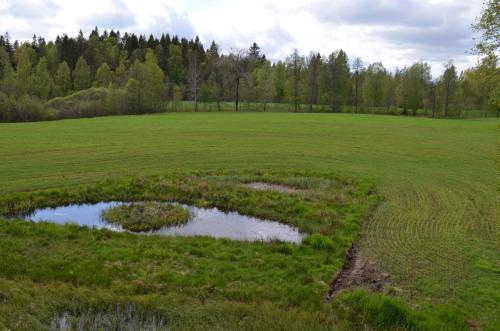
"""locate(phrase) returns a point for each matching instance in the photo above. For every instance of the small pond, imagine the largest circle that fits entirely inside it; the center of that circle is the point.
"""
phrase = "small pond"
(203, 222)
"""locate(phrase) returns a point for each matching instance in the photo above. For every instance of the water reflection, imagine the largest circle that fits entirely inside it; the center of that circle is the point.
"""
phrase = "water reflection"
(203, 222)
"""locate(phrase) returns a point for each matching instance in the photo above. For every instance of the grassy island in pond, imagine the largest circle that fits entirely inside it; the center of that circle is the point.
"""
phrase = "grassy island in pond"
(146, 216)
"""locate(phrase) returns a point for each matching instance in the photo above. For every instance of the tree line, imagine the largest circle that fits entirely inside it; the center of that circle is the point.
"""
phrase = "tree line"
(110, 73)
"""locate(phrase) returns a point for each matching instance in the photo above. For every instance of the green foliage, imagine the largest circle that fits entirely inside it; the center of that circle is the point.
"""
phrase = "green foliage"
(86, 103)
(147, 88)
(416, 80)
(488, 26)
(81, 75)
(24, 69)
(339, 71)
(494, 100)
(104, 76)
(63, 80)
(4, 62)
(449, 83)
(146, 216)
(22, 109)
(134, 95)
(8, 83)
(163, 66)
(374, 88)
(53, 58)
(176, 72)
(42, 82)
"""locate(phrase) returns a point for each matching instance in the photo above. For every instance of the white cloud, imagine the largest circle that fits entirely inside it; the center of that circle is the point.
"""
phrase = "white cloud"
(394, 32)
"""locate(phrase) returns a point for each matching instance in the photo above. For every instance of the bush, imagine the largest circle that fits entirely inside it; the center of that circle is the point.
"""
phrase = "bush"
(24, 109)
(86, 103)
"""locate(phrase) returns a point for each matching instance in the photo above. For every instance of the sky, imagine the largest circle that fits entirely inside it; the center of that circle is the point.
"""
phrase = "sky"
(396, 33)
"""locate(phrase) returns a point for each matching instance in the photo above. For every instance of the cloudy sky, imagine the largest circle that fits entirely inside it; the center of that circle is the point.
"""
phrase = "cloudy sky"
(394, 32)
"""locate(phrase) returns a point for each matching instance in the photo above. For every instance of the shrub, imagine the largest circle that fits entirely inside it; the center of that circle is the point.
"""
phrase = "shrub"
(86, 103)
(24, 109)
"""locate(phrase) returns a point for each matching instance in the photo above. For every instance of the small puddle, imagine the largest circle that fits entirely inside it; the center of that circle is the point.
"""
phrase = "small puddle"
(210, 222)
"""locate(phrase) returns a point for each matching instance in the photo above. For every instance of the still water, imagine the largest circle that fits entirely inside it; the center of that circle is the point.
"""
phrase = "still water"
(203, 222)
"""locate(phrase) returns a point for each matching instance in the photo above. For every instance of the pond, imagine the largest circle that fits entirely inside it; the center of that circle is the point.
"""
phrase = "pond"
(210, 222)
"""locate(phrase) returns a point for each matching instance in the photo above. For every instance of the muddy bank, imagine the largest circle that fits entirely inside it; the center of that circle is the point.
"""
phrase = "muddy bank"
(357, 272)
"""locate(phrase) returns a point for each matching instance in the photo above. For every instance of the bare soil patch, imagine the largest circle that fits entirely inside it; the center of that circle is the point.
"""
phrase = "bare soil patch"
(262, 186)
(357, 272)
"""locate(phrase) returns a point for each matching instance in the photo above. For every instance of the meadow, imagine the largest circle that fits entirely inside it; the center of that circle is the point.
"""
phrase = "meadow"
(419, 198)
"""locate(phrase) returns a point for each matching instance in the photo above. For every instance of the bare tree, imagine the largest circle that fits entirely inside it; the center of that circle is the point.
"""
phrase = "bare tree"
(194, 77)
(314, 62)
(295, 64)
(238, 67)
(267, 83)
(358, 69)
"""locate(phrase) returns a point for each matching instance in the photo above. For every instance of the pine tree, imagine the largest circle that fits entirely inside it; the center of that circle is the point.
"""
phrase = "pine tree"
(254, 54)
(162, 59)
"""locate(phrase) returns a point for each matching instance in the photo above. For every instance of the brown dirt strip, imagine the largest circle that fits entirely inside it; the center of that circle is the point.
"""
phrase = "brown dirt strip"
(357, 272)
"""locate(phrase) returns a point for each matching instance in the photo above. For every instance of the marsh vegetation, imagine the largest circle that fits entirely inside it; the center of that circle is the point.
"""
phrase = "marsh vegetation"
(146, 216)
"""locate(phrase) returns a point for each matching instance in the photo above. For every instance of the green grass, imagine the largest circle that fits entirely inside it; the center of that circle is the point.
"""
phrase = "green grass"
(188, 106)
(146, 216)
(283, 276)
(436, 232)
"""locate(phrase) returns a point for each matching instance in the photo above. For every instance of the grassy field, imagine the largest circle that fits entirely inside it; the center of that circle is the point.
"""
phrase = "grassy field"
(188, 106)
(436, 232)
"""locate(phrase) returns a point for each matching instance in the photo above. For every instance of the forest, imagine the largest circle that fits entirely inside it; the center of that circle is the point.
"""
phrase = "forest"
(113, 73)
